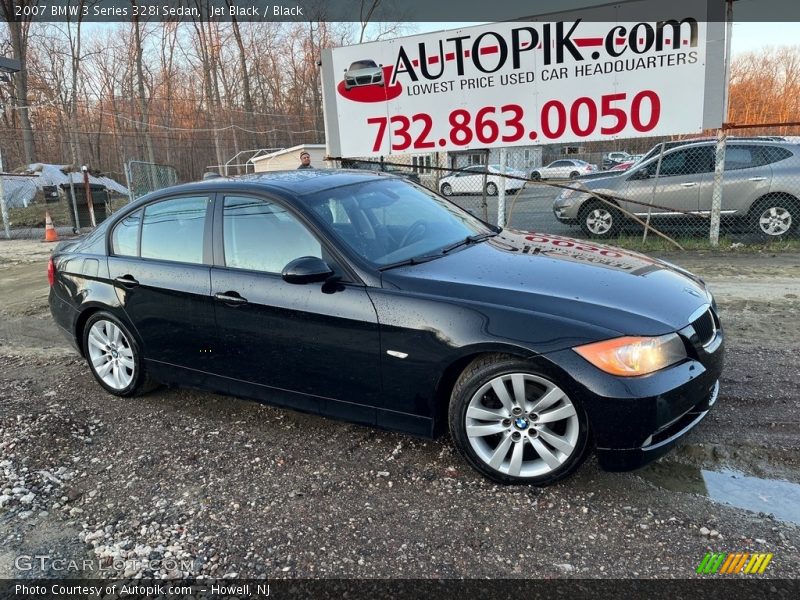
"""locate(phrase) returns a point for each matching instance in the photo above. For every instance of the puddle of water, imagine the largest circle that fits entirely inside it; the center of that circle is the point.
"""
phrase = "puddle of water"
(779, 497)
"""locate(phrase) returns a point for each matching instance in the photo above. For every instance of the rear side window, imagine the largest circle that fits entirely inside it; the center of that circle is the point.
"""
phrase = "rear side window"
(125, 237)
(173, 229)
(748, 156)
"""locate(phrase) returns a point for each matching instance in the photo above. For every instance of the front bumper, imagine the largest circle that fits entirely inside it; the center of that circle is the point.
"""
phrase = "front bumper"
(635, 420)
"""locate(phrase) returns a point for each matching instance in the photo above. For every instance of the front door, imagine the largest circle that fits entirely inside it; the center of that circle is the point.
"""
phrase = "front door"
(316, 339)
(681, 179)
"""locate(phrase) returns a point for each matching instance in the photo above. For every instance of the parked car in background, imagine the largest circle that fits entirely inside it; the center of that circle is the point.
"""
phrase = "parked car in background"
(623, 166)
(359, 296)
(564, 169)
(761, 186)
(470, 180)
(363, 72)
(612, 159)
(368, 165)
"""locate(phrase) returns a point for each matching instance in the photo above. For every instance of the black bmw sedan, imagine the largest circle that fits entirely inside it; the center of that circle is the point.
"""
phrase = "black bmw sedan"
(365, 297)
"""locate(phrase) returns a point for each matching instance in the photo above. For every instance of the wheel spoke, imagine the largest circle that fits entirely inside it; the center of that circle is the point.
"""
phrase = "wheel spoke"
(115, 376)
(103, 371)
(95, 339)
(500, 453)
(499, 387)
(127, 362)
(557, 414)
(551, 397)
(518, 385)
(558, 442)
(547, 456)
(486, 414)
(483, 430)
(99, 361)
(515, 466)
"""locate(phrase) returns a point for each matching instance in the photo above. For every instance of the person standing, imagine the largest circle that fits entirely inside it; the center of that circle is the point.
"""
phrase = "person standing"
(305, 160)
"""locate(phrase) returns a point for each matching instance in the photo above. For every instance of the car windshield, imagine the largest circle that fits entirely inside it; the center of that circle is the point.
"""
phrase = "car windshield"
(363, 64)
(389, 221)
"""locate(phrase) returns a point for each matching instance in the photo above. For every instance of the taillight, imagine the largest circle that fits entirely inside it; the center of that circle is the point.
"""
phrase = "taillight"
(51, 272)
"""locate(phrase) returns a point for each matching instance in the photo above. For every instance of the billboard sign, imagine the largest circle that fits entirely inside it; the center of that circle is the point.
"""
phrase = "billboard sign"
(523, 83)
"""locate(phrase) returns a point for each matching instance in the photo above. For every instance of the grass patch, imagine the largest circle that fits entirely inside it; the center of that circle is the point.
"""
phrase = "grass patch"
(655, 243)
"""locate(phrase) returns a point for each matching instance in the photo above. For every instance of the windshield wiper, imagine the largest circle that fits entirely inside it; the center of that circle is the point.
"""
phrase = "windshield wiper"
(470, 239)
(414, 260)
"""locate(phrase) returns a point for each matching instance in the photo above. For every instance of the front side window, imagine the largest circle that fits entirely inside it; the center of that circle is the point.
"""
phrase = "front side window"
(173, 229)
(263, 236)
(690, 161)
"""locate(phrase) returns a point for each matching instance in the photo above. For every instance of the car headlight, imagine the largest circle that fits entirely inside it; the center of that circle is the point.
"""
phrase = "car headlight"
(632, 356)
(567, 193)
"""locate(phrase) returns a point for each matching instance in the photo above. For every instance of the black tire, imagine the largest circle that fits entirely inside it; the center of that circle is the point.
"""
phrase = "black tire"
(536, 176)
(574, 175)
(447, 189)
(140, 382)
(468, 391)
(491, 189)
(775, 217)
(599, 220)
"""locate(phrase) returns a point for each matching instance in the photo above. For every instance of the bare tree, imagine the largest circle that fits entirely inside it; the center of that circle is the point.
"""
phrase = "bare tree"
(19, 29)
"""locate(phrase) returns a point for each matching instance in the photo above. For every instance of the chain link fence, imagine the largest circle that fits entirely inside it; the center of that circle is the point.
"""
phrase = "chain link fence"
(735, 188)
(145, 177)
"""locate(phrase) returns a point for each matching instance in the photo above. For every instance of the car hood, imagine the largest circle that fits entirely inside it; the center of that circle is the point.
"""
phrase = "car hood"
(603, 287)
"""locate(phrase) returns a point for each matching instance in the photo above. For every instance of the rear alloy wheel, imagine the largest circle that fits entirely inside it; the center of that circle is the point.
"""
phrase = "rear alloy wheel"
(491, 189)
(447, 190)
(573, 175)
(776, 216)
(599, 220)
(515, 425)
(114, 356)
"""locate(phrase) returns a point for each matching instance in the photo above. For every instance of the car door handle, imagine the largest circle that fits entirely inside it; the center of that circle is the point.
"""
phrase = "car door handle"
(689, 184)
(230, 298)
(127, 281)
(756, 179)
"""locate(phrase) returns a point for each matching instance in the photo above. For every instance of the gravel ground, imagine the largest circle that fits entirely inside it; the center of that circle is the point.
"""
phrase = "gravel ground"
(204, 484)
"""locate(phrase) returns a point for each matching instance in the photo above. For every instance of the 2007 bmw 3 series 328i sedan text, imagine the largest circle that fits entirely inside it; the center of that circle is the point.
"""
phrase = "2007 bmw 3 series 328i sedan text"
(366, 297)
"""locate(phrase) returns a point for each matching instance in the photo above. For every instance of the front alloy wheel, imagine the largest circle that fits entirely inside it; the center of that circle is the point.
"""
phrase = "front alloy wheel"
(599, 220)
(516, 425)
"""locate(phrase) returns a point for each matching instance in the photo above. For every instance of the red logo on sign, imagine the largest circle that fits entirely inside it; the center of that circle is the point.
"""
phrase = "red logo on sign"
(363, 88)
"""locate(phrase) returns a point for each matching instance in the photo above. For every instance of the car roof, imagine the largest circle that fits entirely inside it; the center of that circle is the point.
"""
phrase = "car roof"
(297, 182)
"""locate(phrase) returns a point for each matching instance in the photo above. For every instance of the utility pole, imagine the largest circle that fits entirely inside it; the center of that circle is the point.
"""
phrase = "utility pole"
(7, 65)
(719, 156)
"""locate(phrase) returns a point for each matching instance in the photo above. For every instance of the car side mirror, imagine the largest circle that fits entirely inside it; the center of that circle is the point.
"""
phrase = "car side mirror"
(307, 269)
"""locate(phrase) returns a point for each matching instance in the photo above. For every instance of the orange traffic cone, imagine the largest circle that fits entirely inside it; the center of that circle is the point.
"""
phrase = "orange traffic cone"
(50, 234)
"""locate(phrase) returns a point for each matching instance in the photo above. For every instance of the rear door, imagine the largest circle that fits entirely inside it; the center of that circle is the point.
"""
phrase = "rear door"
(747, 177)
(160, 267)
(314, 339)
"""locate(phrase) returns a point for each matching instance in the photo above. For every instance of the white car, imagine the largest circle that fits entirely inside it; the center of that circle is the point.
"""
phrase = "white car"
(470, 180)
(564, 169)
(363, 72)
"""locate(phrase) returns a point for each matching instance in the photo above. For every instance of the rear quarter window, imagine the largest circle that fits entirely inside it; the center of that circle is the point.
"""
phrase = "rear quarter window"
(125, 237)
